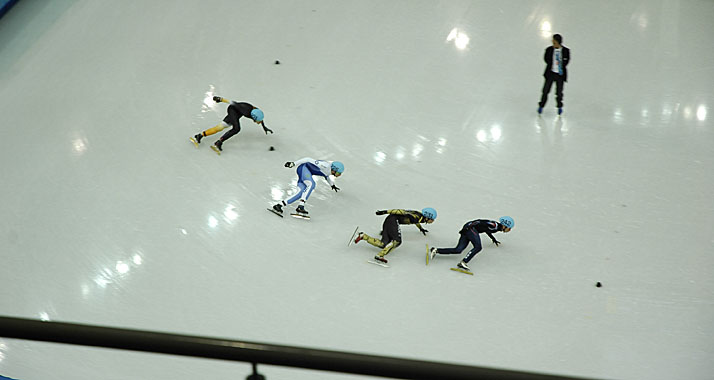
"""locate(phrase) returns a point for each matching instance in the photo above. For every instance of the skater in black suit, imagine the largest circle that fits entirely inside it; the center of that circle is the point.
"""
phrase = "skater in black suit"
(236, 110)
(469, 233)
(556, 58)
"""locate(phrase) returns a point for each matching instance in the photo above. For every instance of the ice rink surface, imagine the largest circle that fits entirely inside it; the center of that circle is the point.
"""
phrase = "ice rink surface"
(110, 216)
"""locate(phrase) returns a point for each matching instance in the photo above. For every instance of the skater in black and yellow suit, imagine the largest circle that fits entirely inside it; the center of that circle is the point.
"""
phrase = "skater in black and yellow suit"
(391, 233)
(236, 110)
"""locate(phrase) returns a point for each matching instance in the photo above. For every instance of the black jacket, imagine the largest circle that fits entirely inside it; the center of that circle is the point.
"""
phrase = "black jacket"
(548, 57)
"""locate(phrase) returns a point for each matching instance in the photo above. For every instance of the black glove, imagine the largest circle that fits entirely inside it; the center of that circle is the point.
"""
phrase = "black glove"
(335, 188)
(496, 242)
(217, 99)
(423, 231)
(266, 130)
(381, 212)
(289, 164)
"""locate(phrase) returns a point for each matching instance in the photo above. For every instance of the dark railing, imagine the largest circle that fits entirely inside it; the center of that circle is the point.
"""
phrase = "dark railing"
(251, 352)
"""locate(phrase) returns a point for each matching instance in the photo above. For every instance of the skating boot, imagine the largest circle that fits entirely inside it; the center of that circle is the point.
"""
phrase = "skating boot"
(196, 139)
(359, 238)
(462, 265)
(301, 210)
(432, 253)
(217, 146)
(540, 110)
(380, 259)
(278, 208)
(560, 110)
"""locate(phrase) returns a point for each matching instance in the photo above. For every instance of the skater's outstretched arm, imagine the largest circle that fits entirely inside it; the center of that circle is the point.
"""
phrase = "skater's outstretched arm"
(421, 229)
(411, 217)
(332, 184)
(265, 129)
(493, 239)
(303, 161)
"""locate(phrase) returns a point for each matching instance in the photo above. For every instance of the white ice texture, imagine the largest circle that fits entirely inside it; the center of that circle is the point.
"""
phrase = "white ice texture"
(110, 216)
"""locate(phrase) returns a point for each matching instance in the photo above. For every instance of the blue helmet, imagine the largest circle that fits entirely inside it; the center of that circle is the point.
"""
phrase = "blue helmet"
(337, 167)
(429, 213)
(506, 221)
(256, 114)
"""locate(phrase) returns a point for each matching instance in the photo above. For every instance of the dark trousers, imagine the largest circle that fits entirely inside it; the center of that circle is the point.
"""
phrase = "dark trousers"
(231, 133)
(232, 120)
(559, 82)
(391, 230)
(467, 236)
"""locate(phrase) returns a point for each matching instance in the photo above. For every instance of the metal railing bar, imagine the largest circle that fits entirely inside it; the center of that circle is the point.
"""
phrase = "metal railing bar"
(252, 352)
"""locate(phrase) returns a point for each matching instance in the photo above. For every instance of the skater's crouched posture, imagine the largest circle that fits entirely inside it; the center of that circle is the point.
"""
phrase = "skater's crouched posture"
(469, 233)
(391, 233)
(306, 168)
(236, 110)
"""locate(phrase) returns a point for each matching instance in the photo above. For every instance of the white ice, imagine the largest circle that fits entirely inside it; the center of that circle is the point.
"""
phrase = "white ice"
(110, 216)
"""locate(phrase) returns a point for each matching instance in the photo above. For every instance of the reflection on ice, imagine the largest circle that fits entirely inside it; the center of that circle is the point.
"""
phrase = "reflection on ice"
(122, 267)
(399, 154)
(546, 30)
(208, 103)
(701, 113)
(617, 116)
(379, 157)
(79, 145)
(230, 213)
(492, 135)
(277, 193)
(3, 349)
(460, 38)
(416, 150)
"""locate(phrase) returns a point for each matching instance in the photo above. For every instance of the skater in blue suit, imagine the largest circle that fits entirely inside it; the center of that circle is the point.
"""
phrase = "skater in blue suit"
(470, 234)
(307, 168)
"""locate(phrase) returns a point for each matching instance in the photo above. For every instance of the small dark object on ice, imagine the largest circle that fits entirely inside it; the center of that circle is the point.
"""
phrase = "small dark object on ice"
(277, 62)
(272, 148)
(598, 284)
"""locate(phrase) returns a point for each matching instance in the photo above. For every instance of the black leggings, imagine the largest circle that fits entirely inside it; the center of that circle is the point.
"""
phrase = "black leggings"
(391, 230)
(549, 79)
(232, 120)
(467, 236)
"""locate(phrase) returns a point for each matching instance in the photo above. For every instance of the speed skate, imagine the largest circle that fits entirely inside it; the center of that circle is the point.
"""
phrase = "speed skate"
(457, 269)
(275, 212)
(300, 216)
(352, 239)
(375, 262)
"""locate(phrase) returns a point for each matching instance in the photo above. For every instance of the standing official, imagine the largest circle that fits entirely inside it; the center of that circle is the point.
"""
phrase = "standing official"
(556, 58)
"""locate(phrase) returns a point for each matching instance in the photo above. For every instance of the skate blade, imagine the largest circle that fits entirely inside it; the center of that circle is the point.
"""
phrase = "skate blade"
(275, 212)
(352, 239)
(300, 216)
(381, 264)
(462, 271)
(215, 149)
(193, 140)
